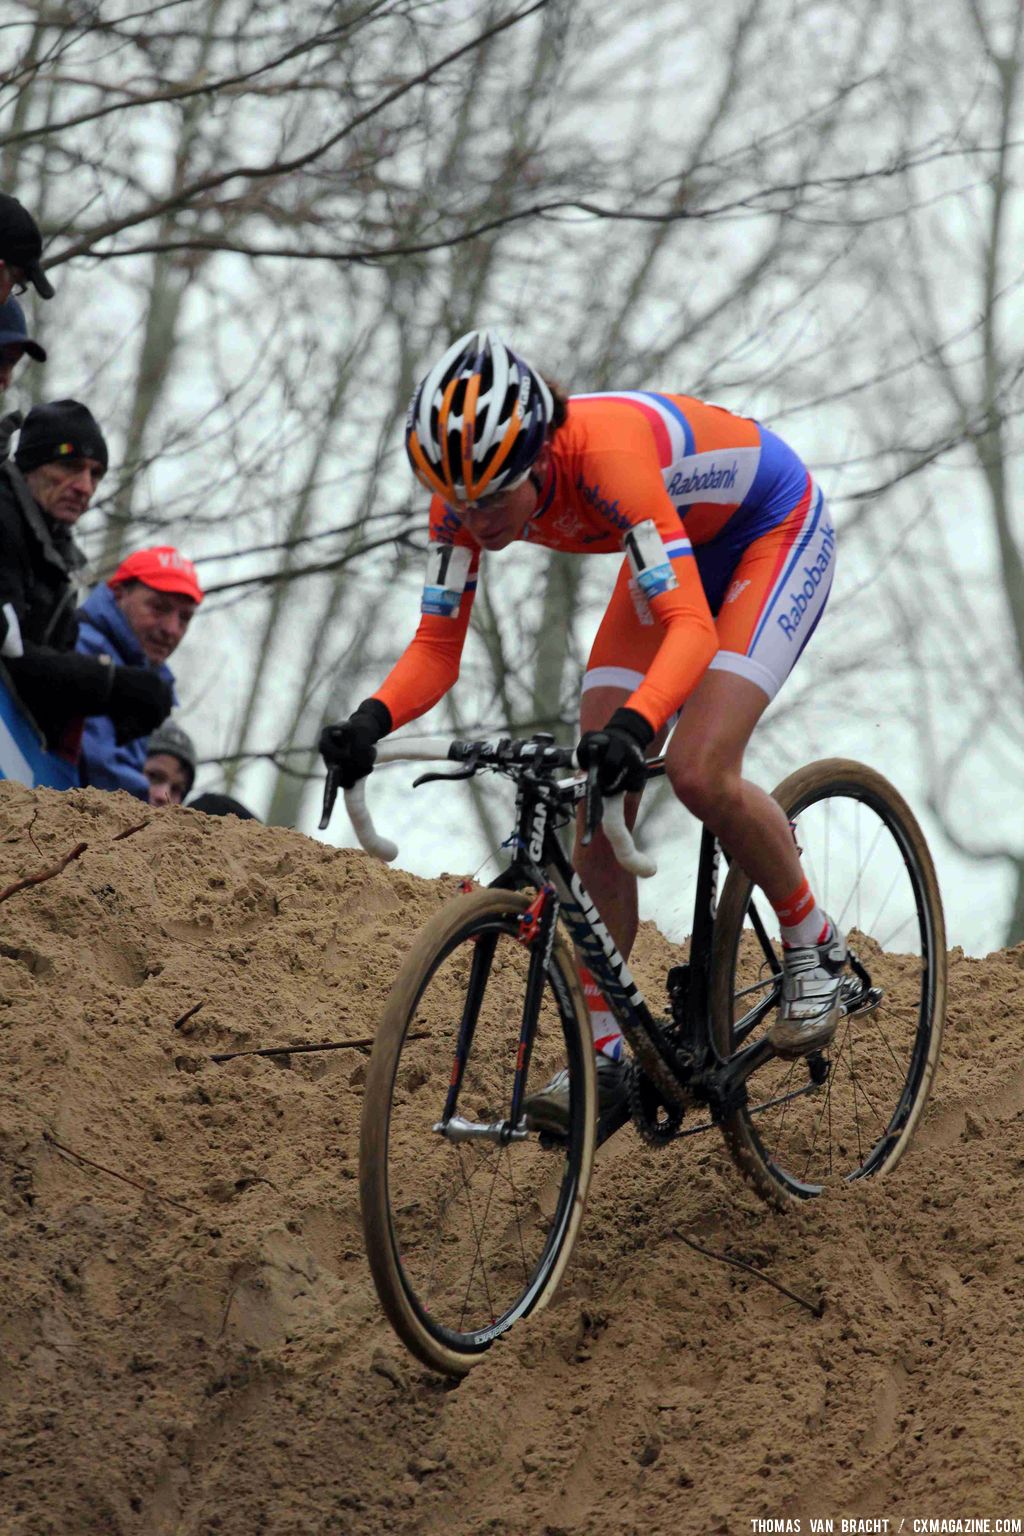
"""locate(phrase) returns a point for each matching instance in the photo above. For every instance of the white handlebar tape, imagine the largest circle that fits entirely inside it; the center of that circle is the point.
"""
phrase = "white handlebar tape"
(429, 749)
(435, 749)
(362, 823)
(618, 834)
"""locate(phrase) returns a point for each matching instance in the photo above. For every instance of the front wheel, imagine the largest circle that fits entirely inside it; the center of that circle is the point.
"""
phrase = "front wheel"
(848, 1111)
(470, 1217)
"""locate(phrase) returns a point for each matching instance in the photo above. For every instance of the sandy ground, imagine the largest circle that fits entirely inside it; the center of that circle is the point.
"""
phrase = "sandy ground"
(190, 1337)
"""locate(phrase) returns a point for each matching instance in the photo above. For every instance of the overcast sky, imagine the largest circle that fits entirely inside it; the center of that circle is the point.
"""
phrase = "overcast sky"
(861, 341)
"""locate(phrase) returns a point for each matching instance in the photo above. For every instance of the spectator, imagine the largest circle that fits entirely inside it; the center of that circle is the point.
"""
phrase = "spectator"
(170, 765)
(138, 618)
(212, 804)
(60, 460)
(21, 246)
(15, 343)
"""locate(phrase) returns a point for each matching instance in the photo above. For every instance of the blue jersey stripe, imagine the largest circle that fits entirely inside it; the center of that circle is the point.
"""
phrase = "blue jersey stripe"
(673, 410)
(798, 549)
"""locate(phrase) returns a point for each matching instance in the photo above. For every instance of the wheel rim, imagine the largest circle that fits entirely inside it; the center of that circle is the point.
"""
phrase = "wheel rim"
(477, 1226)
(864, 871)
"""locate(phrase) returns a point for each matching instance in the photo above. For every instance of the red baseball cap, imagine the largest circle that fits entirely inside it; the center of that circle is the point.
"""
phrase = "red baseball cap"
(161, 568)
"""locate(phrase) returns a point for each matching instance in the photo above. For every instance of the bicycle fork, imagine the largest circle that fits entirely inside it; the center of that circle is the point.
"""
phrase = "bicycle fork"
(537, 932)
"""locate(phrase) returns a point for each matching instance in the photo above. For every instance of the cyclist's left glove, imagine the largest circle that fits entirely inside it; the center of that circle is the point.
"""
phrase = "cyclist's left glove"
(351, 746)
(617, 752)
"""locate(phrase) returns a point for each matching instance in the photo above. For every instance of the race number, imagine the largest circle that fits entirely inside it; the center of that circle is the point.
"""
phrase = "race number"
(447, 576)
(651, 566)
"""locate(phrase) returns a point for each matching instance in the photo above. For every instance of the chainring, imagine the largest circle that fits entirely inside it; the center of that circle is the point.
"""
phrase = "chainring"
(654, 1121)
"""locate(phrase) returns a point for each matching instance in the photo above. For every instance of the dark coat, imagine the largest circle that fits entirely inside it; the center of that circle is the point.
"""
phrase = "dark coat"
(39, 561)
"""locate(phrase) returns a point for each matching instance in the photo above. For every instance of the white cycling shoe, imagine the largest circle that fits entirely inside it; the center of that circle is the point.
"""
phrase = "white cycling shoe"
(812, 977)
(548, 1109)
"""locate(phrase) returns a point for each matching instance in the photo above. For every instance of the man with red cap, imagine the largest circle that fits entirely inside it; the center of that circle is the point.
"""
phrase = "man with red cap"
(137, 618)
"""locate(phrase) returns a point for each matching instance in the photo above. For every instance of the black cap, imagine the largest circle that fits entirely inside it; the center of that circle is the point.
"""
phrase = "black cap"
(14, 331)
(64, 429)
(21, 244)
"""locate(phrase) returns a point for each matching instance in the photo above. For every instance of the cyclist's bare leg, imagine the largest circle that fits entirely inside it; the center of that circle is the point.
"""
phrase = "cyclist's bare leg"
(704, 763)
(612, 887)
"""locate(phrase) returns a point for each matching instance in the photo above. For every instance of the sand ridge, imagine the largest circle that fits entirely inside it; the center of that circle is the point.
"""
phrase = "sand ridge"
(190, 1338)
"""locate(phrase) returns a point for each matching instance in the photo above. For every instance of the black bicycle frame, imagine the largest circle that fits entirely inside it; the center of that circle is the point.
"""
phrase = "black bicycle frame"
(687, 1067)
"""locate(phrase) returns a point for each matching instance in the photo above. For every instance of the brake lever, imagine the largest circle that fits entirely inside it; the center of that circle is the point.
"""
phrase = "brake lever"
(593, 806)
(331, 787)
(431, 778)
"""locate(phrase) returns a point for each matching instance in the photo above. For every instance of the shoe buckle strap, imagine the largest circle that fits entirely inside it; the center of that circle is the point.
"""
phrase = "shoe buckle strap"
(800, 987)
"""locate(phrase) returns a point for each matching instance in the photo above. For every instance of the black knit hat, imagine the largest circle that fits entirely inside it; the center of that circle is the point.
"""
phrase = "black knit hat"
(64, 429)
(21, 244)
(170, 738)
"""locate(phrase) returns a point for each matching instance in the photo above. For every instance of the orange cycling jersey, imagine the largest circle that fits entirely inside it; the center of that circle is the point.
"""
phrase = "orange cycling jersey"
(662, 477)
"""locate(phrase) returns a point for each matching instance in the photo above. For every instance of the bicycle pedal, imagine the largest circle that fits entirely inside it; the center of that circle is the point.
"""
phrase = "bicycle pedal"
(868, 1004)
(859, 1001)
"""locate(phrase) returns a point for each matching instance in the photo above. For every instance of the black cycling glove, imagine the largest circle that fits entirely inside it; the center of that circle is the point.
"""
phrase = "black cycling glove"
(351, 745)
(617, 752)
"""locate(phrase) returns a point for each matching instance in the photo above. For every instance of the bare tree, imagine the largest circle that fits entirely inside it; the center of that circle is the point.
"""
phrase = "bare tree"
(263, 223)
(943, 412)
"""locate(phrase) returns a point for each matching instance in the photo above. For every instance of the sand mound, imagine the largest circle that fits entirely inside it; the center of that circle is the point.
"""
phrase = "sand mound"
(191, 1342)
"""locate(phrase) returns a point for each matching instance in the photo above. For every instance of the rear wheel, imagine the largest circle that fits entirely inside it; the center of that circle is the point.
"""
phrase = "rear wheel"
(469, 1229)
(848, 1111)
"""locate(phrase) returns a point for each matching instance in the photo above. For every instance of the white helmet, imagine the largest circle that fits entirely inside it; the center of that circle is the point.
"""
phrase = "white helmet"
(478, 420)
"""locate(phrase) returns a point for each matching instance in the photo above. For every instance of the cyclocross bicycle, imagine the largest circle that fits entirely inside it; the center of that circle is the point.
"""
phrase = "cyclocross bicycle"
(470, 1215)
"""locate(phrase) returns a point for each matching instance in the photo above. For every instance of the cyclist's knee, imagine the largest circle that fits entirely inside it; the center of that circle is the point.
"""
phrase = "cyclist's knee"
(705, 785)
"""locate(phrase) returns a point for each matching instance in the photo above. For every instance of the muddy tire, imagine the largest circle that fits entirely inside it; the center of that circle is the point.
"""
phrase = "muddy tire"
(467, 1236)
(870, 868)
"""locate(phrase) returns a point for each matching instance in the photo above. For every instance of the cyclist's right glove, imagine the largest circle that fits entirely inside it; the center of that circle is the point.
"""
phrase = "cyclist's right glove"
(617, 752)
(351, 745)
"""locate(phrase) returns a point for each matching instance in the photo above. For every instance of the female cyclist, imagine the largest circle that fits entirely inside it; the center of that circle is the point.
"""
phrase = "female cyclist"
(729, 554)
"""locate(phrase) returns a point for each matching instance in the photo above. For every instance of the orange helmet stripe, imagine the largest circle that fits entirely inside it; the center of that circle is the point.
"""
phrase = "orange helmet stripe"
(468, 432)
(427, 473)
(504, 449)
(447, 469)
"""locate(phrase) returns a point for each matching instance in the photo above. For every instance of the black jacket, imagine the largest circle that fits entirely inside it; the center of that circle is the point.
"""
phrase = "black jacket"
(39, 560)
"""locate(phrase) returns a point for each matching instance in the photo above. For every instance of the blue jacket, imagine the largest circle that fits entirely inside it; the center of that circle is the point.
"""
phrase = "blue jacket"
(103, 630)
